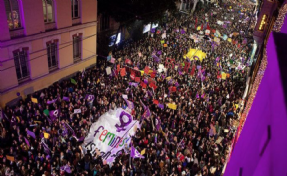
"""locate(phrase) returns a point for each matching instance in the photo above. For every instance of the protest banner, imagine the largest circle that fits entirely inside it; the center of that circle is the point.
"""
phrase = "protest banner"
(110, 134)
(34, 100)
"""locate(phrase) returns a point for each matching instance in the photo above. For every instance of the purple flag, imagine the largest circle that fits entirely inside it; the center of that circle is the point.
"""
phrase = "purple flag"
(161, 106)
(159, 52)
(66, 98)
(157, 123)
(176, 84)
(27, 142)
(145, 81)
(32, 134)
(170, 81)
(130, 104)
(146, 114)
(152, 30)
(156, 59)
(51, 102)
(202, 78)
(135, 153)
(202, 96)
(54, 114)
(133, 84)
(149, 93)
(90, 98)
(66, 168)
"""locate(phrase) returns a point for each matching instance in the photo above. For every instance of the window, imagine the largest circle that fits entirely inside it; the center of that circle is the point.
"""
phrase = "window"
(13, 14)
(77, 45)
(52, 53)
(21, 63)
(75, 8)
(48, 11)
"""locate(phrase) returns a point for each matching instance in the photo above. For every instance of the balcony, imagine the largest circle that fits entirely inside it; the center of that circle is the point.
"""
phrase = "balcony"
(76, 21)
(17, 33)
(50, 26)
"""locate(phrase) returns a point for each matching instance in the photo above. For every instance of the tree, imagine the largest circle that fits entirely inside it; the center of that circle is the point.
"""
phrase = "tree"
(127, 11)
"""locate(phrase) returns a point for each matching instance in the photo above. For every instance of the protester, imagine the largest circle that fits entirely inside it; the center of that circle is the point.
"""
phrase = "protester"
(193, 139)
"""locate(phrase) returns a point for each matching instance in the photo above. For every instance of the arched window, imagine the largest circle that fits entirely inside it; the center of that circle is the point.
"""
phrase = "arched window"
(13, 14)
(48, 11)
(75, 8)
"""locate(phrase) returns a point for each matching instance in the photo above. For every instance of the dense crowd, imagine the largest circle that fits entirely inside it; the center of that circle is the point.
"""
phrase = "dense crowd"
(195, 139)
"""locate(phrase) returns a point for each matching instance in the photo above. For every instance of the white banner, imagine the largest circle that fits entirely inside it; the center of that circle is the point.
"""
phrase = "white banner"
(110, 134)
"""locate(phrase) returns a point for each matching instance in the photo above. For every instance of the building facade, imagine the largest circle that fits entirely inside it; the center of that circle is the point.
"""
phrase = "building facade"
(43, 41)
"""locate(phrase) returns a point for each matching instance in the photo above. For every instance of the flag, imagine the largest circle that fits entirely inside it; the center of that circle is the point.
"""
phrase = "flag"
(143, 152)
(73, 81)
(77, 111)
(51, 102)
(123, 72)
(146, 114)
(118, 67)
(155, 102)
(133, 75)
(157, 123)
(135, 153)
(90, 98)
(171, 106)
(32, 134)
(128, 61)
(161, 106)
(152, 85)
(130, 104)
(143, 85)
(146, 70)
(10, 158)
(27, 142)
(66, 98)
(137, 79)
(133, 84)
(223, 75)
(46, 135)
(113, 60)
(54, 114)
(46, 112)
(66, 168)
(34, 100)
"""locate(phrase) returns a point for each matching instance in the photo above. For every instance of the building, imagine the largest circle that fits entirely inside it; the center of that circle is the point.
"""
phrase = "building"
(261, 146)
(43, 41)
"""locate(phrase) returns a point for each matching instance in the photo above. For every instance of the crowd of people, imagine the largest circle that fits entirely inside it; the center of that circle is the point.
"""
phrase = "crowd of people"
(193, 140)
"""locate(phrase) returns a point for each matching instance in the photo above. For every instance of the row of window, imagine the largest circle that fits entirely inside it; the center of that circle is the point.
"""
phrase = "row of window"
(14, 18)
(21, 57)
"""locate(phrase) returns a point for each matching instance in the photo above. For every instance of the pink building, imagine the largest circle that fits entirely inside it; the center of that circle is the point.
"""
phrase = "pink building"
(42, 41)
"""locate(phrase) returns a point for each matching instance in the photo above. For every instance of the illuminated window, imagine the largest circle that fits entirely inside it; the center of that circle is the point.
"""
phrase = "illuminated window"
(13, 14)
(263, 22)
(75, 8)
(21, 64)
(48, 11)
